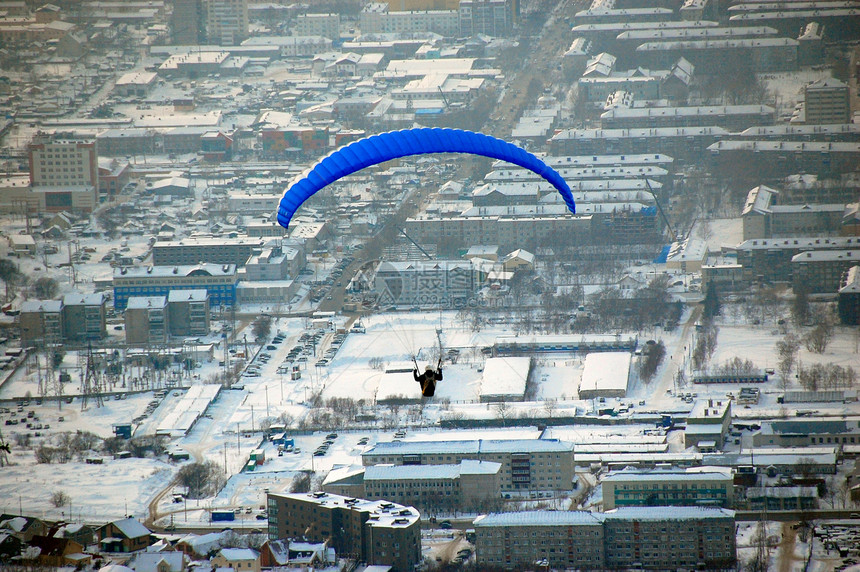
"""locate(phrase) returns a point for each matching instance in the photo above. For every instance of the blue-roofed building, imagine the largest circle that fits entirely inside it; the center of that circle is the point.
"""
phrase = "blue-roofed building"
(219, 281)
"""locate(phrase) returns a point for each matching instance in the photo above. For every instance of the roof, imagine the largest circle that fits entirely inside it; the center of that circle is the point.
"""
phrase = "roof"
(195, 295)
(716, 44)
(146, 302)
(131, 528)
(239, 554)
(131, 272)
(382, 513)
(505, 376)
(472, 446)
(539, 518)
(827, 83)
(811, 426)
(664, 475)
(75, 298)
(659, 513)
(800, 243)
(416, 472)
(826, 256)
(851, 284)
(687, 111)
(39, 306)
(605, 371)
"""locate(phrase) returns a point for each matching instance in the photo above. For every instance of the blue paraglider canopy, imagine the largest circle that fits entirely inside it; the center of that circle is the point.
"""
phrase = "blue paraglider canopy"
(393, 144)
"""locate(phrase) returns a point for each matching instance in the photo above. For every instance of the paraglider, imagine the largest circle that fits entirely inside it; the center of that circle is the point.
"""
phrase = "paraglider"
(393, 144)
(429, 378)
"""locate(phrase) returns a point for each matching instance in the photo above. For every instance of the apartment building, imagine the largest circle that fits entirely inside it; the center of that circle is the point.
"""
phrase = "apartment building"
(226, 21)
(188, 312)
(826, 101)
(84, 316)
(74, 318)
(234, 251)
(769, 259)
(766, 159)
(731, 117)
(702, 486)
(378, 18)
(376, 532)
(146, 320)
(325, 25)
(490, 17)
(187, 22)
(508, 231)
(821, 271)
(41, 321)
(849, 297)
(764, 217)
(527, 464)
(643, 537)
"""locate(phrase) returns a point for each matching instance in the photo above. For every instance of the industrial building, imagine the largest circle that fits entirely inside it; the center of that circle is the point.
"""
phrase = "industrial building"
(708, 424)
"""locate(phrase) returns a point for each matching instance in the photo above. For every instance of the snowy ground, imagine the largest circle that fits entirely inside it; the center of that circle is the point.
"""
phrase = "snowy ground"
(231, 427)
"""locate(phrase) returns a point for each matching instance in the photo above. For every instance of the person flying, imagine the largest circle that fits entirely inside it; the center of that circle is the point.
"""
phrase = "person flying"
(429, 378)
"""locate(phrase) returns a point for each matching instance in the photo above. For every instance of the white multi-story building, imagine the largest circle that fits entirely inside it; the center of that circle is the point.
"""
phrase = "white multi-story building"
(226, 21)
(377, 18)
(325, 25)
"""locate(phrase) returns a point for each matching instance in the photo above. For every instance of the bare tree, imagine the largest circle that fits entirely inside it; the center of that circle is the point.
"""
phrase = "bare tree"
(787, 349)
(59, 498)
(818, 338)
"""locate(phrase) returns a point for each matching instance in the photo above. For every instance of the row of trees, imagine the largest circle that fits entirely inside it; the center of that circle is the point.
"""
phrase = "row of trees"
(77, 446)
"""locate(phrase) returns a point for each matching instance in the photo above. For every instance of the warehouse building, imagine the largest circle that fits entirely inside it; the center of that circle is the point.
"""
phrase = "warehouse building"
(605, 374)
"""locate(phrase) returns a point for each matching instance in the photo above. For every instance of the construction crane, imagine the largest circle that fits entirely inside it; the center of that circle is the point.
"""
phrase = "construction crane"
(675, 236)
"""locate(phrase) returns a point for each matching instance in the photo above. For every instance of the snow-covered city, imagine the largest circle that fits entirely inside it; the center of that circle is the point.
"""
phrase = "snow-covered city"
(429, 285)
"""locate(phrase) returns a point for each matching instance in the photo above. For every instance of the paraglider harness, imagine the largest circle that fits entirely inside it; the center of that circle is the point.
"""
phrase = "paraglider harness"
(429, 378)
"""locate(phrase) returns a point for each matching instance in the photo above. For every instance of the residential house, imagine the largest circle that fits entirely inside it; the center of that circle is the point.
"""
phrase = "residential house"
(125, 535)
(237, 559)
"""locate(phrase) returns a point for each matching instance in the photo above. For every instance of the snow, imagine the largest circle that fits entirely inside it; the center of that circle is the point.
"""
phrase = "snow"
(605, 373)
(505, 378)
